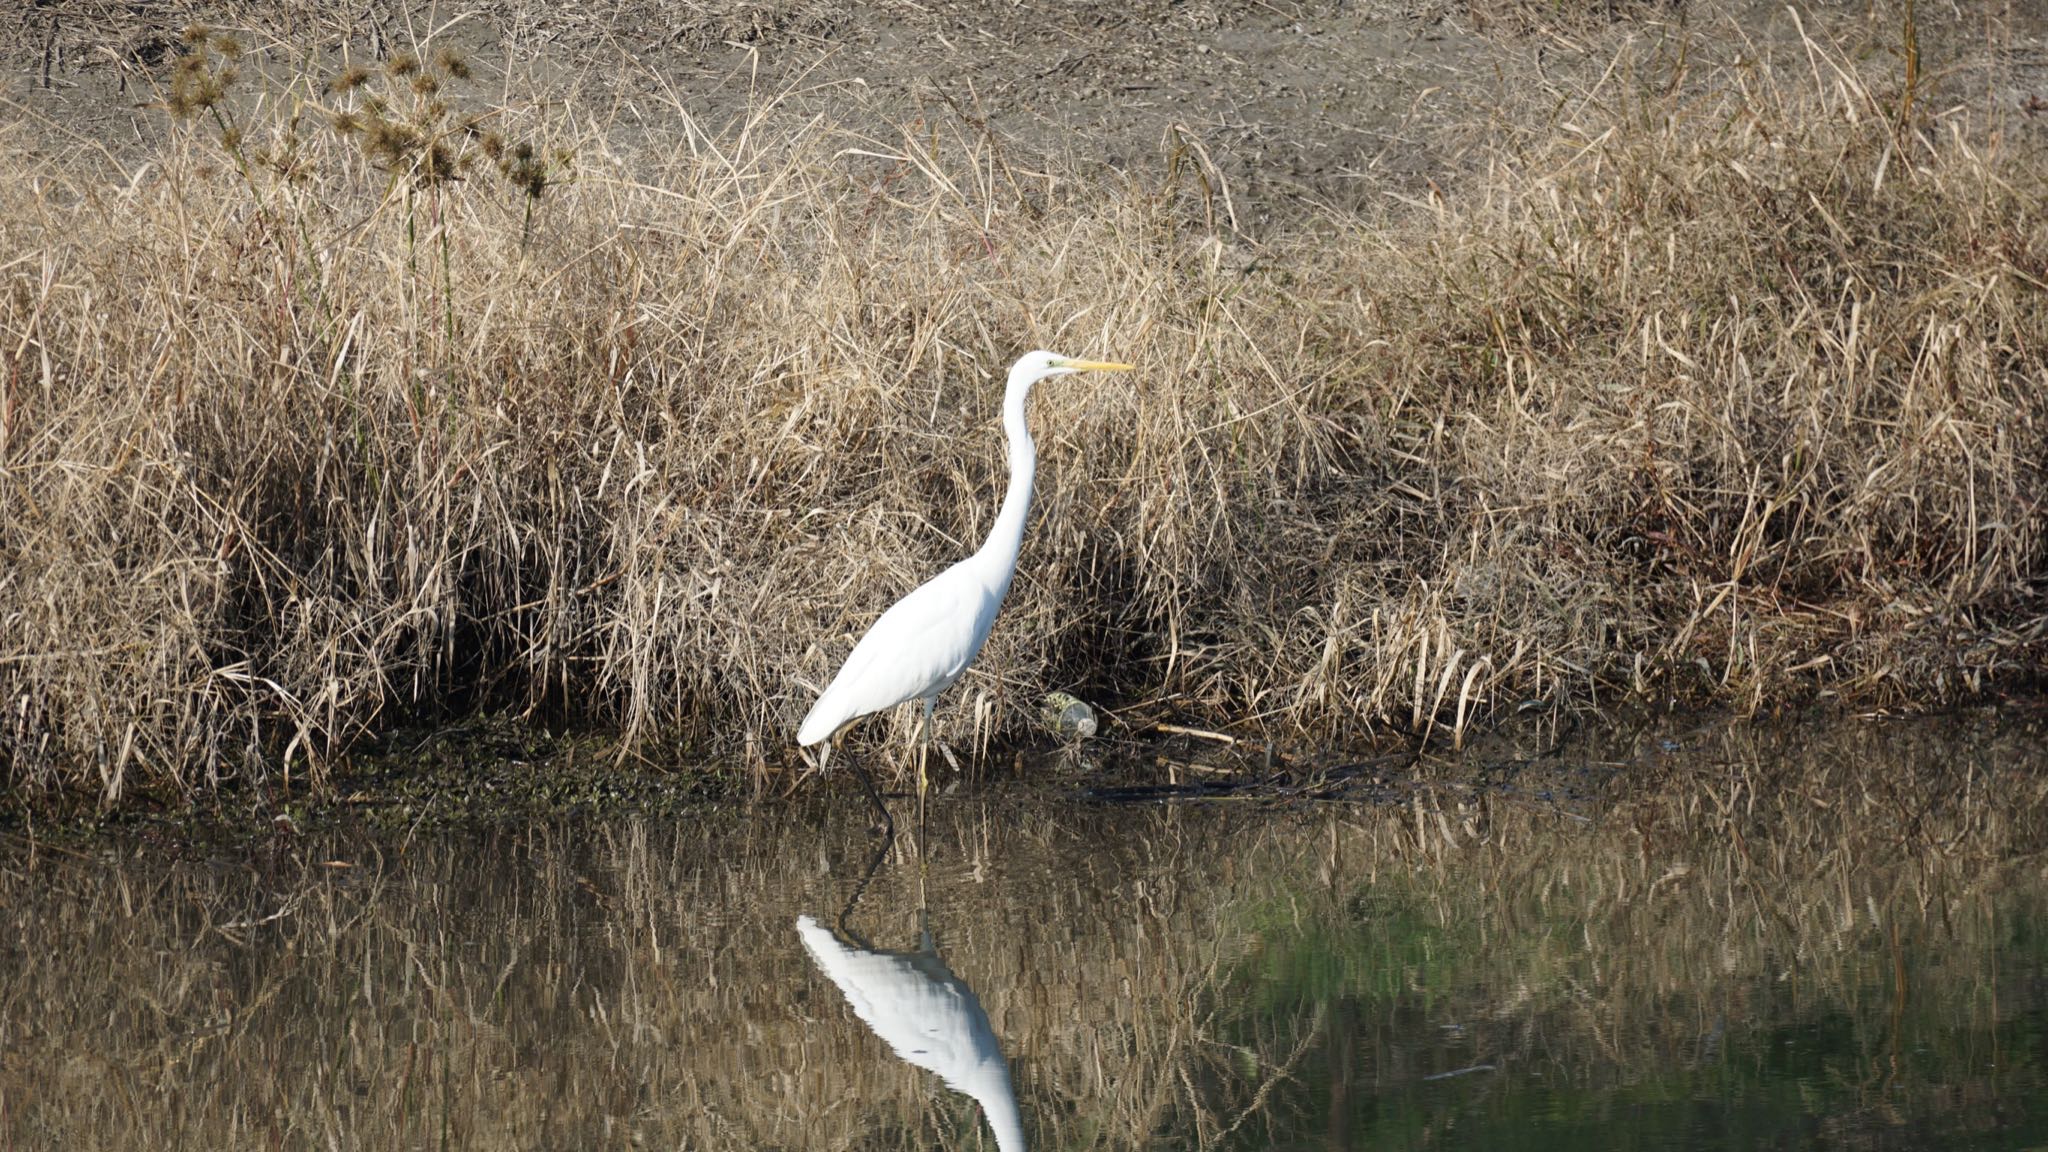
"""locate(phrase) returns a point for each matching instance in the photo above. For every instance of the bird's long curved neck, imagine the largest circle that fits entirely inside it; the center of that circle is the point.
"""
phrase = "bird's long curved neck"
(1006, 539)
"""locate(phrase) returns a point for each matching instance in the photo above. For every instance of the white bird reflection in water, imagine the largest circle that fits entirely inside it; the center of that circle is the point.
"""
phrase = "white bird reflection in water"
(927, 1016)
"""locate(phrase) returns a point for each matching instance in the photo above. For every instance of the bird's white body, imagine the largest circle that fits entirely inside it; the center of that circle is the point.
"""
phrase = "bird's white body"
(925, 641)
(919, 648)
(927, 1016)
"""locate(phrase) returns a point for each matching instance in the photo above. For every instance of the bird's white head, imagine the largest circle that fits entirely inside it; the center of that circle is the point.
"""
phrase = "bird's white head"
(1035, 366)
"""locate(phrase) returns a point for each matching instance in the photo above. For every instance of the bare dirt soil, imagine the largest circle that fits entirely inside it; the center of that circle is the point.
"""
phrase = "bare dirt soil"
(1296, 103)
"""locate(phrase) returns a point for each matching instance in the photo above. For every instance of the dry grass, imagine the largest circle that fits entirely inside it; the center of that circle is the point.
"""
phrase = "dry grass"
(1730, 393)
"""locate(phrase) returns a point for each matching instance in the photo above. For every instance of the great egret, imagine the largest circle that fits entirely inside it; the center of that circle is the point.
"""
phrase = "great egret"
(927, 1016)
(926, 640)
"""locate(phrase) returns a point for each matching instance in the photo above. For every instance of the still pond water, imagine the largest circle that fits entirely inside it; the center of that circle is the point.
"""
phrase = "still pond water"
(1832, 936)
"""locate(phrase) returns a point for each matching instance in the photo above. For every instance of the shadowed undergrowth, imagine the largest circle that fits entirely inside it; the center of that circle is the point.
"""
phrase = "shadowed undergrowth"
(1729, 391)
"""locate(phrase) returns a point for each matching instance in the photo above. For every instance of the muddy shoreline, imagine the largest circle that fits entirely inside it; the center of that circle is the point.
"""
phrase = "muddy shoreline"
(496, 774)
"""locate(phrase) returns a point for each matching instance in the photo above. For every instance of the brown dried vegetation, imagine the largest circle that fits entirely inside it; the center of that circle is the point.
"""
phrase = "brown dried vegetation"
(1726, 387)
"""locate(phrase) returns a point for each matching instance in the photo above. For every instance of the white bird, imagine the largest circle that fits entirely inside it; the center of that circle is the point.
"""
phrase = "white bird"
(925, 641)
(927, 1016)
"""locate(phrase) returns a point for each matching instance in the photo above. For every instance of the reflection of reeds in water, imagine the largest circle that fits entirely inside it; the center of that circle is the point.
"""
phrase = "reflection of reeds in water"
(1218, 978)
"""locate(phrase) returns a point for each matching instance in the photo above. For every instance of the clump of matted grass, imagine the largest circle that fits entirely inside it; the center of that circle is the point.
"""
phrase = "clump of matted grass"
(339, 416)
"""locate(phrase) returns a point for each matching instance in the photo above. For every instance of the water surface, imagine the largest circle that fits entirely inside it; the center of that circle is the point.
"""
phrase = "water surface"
(1821, 936)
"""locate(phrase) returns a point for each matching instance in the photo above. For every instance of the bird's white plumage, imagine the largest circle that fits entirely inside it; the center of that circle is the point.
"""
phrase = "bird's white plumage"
(925, 641)
(916, 650)
(927, 1016)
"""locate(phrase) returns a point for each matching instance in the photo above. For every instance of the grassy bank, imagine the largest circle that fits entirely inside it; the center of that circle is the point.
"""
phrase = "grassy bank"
(347, 409)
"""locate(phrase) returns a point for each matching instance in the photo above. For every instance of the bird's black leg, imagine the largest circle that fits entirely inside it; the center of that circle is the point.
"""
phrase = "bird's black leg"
(845, 922)
(888, 828)
(924, 753)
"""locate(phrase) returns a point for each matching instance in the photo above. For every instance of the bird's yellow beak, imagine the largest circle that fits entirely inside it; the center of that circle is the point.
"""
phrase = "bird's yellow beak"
(1094, 365)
